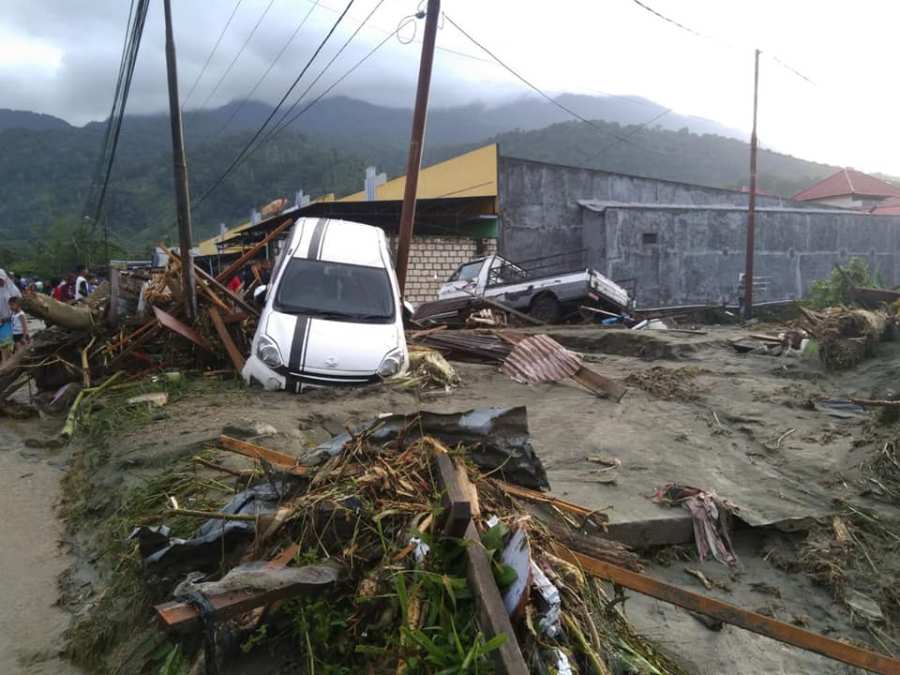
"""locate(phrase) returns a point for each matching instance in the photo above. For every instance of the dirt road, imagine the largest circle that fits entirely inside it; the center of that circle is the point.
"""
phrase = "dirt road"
(31, 625)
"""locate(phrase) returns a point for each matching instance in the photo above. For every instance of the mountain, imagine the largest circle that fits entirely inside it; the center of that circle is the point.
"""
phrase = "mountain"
(23, 119)
(46, 166)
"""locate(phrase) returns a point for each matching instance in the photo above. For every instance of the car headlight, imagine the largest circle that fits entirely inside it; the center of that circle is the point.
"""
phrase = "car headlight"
(268, 353)
(391, 364)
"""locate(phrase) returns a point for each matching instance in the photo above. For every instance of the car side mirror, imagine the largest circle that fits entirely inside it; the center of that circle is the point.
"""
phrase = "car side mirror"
(259, 295)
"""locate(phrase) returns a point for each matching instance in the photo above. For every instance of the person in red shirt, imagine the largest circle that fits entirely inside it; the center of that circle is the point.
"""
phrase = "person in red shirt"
(57, 292)
(234, 285)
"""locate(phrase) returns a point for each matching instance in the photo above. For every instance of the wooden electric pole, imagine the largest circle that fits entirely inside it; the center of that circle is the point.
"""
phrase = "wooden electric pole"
(414, 163)
(751, 209)
(182, 193)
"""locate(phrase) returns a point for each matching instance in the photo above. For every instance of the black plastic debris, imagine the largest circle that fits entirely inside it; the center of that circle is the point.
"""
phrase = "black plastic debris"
(215, 536)
(150, 539)
(498, 439)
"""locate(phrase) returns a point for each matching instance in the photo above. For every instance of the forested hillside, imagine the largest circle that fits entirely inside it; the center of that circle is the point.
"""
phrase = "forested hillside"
(46, 165)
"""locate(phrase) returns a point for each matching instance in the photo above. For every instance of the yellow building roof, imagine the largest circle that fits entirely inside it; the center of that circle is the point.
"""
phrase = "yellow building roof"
(473, 174)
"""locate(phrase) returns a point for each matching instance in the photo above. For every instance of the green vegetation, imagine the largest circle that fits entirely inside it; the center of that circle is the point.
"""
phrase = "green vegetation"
(47, 167)
(835, 290)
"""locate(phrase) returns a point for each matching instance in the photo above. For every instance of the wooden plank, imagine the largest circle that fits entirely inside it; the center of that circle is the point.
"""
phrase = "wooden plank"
(454, 498)
(212, 281)
(492, 616)
(224, 275)
(237, 359)
(234, 317)
(281, 460)
(736, 616)
(599, 384)
(503, 308)
(182, 616)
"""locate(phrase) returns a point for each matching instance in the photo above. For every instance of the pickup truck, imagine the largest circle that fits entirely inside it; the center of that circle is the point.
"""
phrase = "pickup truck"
(547, 288)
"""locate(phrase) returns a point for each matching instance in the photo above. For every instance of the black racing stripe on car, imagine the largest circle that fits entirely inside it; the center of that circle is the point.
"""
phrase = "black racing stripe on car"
(298, 343)
(305, 343)
(315, 241)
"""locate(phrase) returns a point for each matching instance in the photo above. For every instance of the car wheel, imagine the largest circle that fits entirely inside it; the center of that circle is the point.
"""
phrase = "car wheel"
(545, 307)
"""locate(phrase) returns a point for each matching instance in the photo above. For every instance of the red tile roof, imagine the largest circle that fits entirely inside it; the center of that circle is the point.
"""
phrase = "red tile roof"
(847, 182)
(889, 207)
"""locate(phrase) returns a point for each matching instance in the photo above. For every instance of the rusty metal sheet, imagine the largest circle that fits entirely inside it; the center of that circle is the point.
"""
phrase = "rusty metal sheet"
(181, 329)
(540, 358)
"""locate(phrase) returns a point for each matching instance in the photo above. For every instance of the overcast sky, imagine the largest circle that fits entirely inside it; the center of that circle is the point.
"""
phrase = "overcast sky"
(61, 57)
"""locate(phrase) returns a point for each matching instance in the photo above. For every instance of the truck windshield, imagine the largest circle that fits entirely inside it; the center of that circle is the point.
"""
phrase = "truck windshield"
(335, 291)
(467, 272)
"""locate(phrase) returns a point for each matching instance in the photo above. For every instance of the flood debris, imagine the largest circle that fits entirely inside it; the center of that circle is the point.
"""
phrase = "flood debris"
(846, 336)
(428, 561)
(711, 518)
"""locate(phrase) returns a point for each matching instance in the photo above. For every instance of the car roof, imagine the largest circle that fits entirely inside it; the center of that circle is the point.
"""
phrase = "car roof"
(341, 241)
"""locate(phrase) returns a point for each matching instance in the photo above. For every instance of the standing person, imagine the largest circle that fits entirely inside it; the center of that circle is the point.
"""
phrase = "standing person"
(57, 289)
(7, 290)
(20, 335)
(68, 288)
(81, 284)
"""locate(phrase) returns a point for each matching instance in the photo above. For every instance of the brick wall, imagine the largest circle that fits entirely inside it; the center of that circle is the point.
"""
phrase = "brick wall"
(433, 259)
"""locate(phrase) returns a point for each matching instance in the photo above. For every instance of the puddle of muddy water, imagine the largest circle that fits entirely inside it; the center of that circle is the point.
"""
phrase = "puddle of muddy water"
(31, 558)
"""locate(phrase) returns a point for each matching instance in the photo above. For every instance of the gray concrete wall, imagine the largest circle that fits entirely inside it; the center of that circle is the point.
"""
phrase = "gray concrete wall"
(539, 211)
(699, 253)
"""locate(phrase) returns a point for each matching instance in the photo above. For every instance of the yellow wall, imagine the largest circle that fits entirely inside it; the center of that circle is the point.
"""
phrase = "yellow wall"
(473, 174)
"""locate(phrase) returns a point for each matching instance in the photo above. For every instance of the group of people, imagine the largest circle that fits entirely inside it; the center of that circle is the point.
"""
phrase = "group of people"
(13, 323)
(14, 334)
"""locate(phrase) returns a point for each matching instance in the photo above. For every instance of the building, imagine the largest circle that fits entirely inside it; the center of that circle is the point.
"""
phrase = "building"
(849, 189)
(674, 243)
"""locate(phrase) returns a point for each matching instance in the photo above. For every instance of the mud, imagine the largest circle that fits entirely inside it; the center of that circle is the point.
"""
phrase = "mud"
(747, 429)
(31, 557)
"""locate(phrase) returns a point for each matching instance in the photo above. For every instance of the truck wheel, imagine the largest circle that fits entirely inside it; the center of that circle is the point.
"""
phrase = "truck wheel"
(546, 308)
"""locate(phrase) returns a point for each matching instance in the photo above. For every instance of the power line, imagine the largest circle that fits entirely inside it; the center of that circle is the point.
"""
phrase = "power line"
(695, 33)
(290, 89)
(334, 84)
(636, 130)
(249, 96)
(211, 54)
(534, 87)
(329, 64)
(120, 99)
(238, 55)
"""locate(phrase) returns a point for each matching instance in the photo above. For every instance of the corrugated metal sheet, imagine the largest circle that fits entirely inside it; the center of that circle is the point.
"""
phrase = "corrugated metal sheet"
(540, 359)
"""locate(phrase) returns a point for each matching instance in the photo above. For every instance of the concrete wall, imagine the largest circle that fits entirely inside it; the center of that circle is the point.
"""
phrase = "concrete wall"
(539, 211)
(695, 256)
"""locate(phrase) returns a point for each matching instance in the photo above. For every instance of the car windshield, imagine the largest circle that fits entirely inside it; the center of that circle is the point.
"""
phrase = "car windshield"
(467, 272)
(335, 291)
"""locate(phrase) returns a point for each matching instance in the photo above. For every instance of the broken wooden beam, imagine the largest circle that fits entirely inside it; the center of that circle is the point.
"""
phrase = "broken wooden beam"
(183, 616)
(599, 384)
(731, 614)
(492, 616)
(280, 460)
(225, 275)
(237, 359)
(454, 497)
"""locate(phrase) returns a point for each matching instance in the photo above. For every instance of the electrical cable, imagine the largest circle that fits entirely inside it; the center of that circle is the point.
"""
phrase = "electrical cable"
(535, 88)
(211, 54)
(328, 65)
(118, 114)
(259, 131)
(695, 33)
(256, 86)
(238, 55)
(403, 23)
(636, 130)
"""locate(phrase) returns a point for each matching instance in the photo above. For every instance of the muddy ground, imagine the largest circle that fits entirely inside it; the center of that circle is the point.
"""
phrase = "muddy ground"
(746, 426)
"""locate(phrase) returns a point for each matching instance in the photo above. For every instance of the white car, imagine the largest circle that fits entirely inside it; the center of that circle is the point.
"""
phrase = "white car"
(332, 313)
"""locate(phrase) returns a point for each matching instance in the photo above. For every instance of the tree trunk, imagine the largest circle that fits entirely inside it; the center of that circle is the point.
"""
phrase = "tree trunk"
(74, 317)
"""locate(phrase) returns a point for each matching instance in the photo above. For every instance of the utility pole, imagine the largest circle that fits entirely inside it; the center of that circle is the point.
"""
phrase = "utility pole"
(182, 193)
(414, 163)
(751, 209)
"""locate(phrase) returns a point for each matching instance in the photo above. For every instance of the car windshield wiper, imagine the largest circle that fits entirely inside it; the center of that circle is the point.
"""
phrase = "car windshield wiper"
(370, 317)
